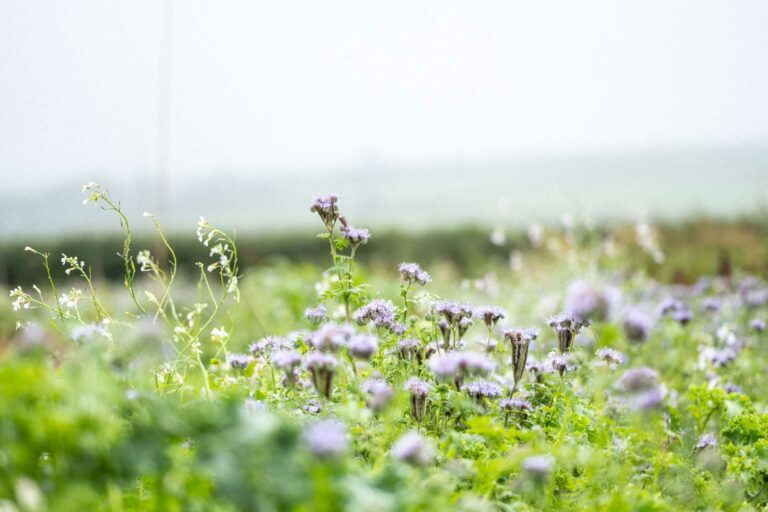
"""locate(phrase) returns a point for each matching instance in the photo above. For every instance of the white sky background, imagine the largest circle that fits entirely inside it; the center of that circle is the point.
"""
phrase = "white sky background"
(262, 86)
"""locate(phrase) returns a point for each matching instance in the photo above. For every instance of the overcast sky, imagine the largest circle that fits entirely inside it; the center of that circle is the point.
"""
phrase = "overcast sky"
(259, 86)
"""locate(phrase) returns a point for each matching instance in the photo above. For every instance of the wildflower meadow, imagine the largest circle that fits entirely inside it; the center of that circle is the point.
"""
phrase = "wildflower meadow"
(569, 379)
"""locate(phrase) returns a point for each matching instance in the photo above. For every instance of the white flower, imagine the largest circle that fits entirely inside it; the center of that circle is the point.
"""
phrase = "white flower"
(219, 334)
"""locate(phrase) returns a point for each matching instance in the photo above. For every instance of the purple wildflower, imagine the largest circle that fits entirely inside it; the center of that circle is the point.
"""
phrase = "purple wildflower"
(312, 406)
(559, 363)
(363, 346)
(757, 325)
(637, 325)
(711, 304)
(413, 273)
(490, 315)
(355, 236)
(269, 344)
(538, 466)
(316, 315)
(380, 312)
(238, 361)
(327, 209)
(379, 393)
(413, 449)
(330, 337)
(641, 388)
(611, 357)
(483, 389)
(706, 441)
(515, 405)
(326, 438)
(520, 339)
(588, 301)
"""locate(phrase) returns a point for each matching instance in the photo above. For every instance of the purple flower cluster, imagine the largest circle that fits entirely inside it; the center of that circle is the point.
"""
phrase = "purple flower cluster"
(611, 357)
(239, 361)
(355, 236)
(380, 312)
(640, 388)
(269, 344)
(490, 315)
(676, 310)
(316, 315)
(481, 389)
(637, 325)
(326, 438)
(330, 337)
(413, 449)
(588, 301)
(327, 209)
(378, 392)
(458, 365)
(419, 390)
(363, 346)
(413, 273)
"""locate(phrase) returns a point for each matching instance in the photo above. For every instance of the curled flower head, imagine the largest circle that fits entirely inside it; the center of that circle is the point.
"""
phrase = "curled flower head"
(520, 339)
(316, 315)
(380, 312)
(419, 390)
(413, 273)
(326, 438)
(330, 337)
(490, 315)
(355, 236)
(559, 363)
(413, 449)
(327, 209)
(453, 312)
(567, 328)
(363, 346)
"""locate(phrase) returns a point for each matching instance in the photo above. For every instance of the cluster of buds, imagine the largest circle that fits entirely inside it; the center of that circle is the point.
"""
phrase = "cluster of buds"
(456, 319)
(520, 339)
(419, 390)
(327, 209)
